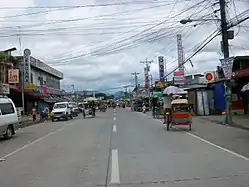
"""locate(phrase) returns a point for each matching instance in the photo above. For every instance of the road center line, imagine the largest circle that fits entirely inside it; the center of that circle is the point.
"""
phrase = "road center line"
(34, 142)
(114, 128)
(115, 168)
(215, 145)
(114, 118)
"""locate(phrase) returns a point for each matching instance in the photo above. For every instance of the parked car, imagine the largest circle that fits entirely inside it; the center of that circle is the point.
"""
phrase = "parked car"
(61, 110)
(8, 118)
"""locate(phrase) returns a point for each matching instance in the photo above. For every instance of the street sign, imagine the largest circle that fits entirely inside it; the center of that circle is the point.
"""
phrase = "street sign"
(227, 66)
(179, 78)
(209, 76)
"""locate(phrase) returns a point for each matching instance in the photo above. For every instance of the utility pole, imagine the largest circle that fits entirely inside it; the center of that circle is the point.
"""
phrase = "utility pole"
(225, 47)
(147, 63)
(22, 64)
(147, 70)
(126, 91)
(136, 81)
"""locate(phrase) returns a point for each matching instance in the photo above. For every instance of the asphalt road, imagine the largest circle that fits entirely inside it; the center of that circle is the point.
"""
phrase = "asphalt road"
(116, 149)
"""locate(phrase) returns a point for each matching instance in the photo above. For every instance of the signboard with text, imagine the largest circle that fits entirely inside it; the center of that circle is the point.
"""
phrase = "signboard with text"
(227, 66)
(180, 53)
(13, 76)
(179, 78)
(26, 66)
(161, 68)
(146, 77)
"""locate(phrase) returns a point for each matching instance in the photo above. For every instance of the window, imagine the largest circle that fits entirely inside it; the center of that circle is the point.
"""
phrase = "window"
(60, 106)
(7, 108)
(31, 77)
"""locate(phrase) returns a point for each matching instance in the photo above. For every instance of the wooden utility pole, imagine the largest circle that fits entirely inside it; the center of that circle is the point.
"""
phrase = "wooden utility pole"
(225, 48)
(136, 81)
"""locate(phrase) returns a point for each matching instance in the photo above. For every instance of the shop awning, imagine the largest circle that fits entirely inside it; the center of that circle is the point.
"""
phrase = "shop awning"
(157, 94)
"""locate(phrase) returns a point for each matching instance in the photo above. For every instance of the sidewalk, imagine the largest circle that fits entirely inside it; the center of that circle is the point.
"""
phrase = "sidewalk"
(240, 121)
(25, 121)
(234, 139)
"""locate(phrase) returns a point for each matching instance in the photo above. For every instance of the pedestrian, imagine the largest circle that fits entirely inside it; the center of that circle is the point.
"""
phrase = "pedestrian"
(34, 114)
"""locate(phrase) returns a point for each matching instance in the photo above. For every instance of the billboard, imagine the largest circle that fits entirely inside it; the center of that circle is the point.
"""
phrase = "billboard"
(161, 68)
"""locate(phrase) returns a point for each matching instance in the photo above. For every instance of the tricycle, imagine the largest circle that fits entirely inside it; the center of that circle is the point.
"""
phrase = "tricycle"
(180, 114)
(88, 112)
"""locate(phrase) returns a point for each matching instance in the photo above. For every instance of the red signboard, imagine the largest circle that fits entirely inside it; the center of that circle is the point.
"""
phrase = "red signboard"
(53, 91)
(241, 73)
(44, 90)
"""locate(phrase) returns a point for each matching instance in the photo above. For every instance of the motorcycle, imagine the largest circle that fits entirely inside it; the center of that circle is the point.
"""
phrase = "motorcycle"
(144, 109)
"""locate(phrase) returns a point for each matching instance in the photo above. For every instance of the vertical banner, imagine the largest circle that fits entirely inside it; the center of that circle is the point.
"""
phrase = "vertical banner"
(146, 79)
(161, 68)
(180, 53)
(227, 66)
(26, 66)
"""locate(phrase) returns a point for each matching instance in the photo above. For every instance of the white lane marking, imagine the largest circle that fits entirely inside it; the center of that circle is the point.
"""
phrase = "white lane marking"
(219, 147)
(215, 145)
(115, 168)
(114, 113)
(32, 143)
(114, 118)
(114, 128)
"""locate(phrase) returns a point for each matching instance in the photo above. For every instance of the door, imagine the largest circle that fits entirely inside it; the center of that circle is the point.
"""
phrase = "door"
(202, 103)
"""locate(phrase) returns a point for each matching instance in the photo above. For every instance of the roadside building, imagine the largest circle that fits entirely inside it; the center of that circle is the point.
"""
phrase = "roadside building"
(6, 64)
(44, 84)
(240, 76)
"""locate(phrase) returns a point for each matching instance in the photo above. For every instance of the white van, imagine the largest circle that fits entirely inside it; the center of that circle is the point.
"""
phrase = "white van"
(8, 118)
(61, 110)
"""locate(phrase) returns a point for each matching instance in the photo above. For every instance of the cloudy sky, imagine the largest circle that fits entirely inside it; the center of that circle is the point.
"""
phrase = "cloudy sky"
(97, 44)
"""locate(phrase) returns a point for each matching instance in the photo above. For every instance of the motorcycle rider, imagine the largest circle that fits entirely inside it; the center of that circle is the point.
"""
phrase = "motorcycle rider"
(93, 107)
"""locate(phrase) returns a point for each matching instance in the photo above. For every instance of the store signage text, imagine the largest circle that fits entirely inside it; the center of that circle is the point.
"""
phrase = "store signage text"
(26, 66)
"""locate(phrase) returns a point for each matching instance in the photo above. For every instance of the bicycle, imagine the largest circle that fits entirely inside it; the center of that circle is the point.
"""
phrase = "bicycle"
(167, 121)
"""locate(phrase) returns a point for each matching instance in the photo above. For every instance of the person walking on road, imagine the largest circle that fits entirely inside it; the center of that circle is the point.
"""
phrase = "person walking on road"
(34, 114)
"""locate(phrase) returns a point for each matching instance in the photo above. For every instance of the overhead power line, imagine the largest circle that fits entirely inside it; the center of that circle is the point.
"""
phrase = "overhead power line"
(210, 38)
(89, 5)
(114, 45)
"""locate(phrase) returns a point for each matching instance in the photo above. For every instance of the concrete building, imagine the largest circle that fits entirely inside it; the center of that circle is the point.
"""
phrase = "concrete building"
(44, 84)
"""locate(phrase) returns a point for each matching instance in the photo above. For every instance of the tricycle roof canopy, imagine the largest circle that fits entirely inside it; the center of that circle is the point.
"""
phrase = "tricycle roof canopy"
(179, 101)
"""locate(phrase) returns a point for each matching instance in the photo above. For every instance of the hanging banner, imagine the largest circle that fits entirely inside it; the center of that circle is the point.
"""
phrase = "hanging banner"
(161, 68)
(26, 66)
(227, 66)
(180, 53)
(13, 76)
(146, 79)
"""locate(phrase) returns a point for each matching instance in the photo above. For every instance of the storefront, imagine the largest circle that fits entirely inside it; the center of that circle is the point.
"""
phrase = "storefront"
(240, 77)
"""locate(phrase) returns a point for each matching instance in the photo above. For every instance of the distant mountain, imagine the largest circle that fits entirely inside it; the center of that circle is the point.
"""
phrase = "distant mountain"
(119, 94)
